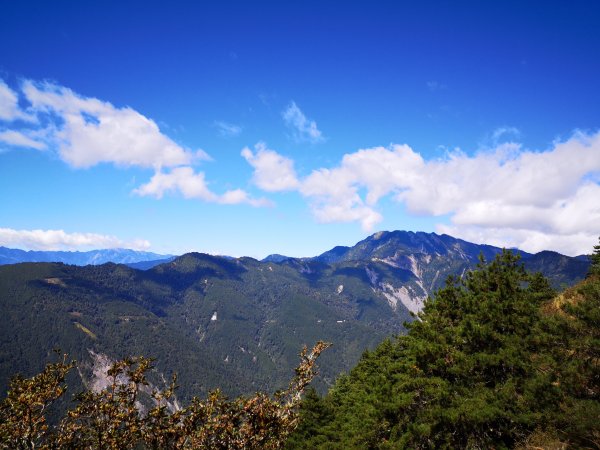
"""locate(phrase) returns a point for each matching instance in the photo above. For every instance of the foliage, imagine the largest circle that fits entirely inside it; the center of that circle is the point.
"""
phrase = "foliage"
(23, 412)
(595, 260)
(112, 418)
(493, 362)
(263, 318)
(575, 330)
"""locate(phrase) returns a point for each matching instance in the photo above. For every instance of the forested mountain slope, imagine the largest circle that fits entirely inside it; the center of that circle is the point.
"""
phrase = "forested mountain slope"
(233, 324)
(497, 360)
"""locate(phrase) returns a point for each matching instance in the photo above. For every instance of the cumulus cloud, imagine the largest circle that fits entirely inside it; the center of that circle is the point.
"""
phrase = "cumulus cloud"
(61, 240)
(86, 131)
(303, 129)
(193, 185)
(227, 129)
(272, 171)
(524, 198)
(91, 131)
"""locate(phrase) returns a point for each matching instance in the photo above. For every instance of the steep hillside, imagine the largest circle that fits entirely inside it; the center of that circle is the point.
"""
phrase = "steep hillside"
(217, 322)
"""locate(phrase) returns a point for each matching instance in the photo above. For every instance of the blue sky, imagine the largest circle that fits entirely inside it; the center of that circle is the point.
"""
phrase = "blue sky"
(247, 128)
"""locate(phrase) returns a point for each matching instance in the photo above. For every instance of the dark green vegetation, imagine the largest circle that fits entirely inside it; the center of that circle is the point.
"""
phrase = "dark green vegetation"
(263, 314)
(264, 311)
(497, 360)
(595, 260)
(114, 418)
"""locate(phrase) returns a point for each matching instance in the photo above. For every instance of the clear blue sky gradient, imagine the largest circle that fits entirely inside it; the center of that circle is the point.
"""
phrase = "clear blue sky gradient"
(433, 75)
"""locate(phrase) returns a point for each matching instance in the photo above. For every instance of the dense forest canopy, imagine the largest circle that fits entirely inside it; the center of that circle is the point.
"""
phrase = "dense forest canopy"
(496, 360)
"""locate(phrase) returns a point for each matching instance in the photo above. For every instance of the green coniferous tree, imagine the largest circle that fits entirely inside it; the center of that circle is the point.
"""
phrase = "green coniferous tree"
(595, 260)
(465, 375)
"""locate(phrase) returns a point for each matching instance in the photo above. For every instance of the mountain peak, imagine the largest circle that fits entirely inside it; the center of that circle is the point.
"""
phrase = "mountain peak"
(276, 258)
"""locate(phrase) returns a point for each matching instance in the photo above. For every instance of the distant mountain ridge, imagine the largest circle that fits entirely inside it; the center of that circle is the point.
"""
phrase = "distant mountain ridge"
(93, 257)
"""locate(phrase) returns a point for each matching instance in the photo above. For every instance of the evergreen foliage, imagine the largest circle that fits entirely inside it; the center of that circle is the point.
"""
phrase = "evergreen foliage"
(263, 318)
(595, 260)
(495, 360)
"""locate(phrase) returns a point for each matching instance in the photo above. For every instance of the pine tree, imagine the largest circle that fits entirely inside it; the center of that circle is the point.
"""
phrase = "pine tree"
(463, 377)
(595, 260)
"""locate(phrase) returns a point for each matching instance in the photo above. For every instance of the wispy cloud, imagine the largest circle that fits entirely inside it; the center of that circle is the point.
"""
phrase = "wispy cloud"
(435, 86)
(499, 137)
(505, 132)
(61, 240)
(18, 139)
(227, 129)
(523, 198)
(303, 129)
(192, 185)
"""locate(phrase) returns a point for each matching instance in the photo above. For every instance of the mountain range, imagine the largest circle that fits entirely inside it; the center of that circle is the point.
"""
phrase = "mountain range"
(118, 255)
(235, 323)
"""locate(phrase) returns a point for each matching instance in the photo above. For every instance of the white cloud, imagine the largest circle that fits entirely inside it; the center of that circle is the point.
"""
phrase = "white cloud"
(193, 185)
(18, 139)
(61, 240)
(227, 129)
(506, 177)
(87, 131)
(272, 171)
(523, 198)
(90, 131)
(346, 210)
(334, 193)
(303, 128)
(525, 239)
(9, 105)
(201, 155)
